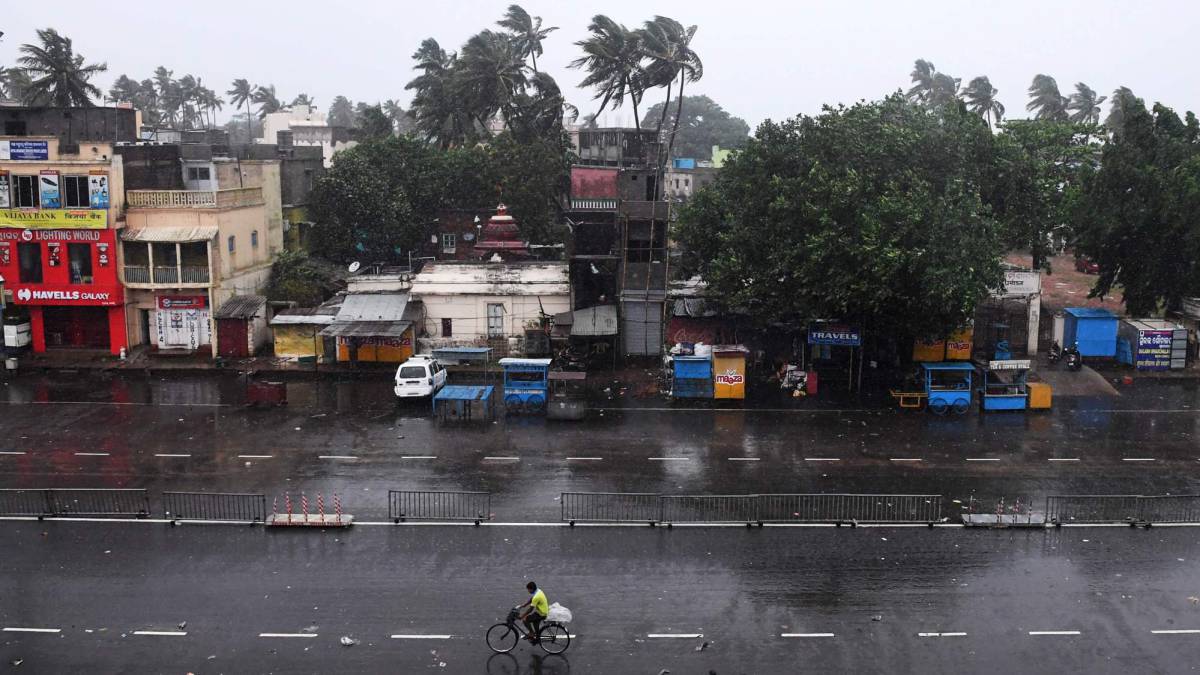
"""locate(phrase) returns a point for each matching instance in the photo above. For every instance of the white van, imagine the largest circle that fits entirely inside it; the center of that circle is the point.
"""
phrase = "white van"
(419, 376)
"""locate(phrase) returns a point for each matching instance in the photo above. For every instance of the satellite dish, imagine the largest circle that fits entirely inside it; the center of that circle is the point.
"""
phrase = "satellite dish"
(355, 266)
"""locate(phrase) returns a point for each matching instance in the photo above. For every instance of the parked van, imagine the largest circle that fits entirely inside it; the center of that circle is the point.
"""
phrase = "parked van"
(419, 376)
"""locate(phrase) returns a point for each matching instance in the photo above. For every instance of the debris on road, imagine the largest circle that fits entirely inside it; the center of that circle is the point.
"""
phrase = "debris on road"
(348, 641)
(703, 646)
(877, 617)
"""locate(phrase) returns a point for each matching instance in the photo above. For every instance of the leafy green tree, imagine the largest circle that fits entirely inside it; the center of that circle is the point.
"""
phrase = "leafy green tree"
(527, 32)
(374, 123)
(533, 176)
(981, 99)
(1084, 105)
(1140, 215)
(401, 119)
(1045, 101)
(341, 112)
(871, 213)
(303, 99)
(613, 60)
(295, 277)
(705, 124)
(17, 86)
(242, 93)
(57, 75)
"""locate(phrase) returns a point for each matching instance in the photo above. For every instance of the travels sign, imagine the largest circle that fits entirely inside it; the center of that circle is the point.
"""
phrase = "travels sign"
(840, 336)
(54, 219)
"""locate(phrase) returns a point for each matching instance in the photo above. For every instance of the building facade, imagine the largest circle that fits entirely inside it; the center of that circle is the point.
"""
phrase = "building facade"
(60, 213)
(306, 126)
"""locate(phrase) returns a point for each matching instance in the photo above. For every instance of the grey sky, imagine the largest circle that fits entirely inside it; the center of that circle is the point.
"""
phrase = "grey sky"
(762, 59)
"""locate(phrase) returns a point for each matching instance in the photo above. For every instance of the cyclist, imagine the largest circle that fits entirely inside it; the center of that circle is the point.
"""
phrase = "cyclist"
(535, 611)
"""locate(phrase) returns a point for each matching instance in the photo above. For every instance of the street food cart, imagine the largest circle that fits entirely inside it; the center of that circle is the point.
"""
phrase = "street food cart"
(526, 384)
(568, 395)
(1004, 385)
(691, 376)
(729, 371)
(948, 386)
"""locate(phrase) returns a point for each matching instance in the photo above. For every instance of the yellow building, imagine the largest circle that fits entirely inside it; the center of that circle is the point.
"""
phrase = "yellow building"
(373, 327)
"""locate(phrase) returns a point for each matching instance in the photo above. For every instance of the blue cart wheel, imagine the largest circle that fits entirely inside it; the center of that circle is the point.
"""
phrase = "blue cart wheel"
(938, 406)
(961, 406)
(536, 402)
(512, 402)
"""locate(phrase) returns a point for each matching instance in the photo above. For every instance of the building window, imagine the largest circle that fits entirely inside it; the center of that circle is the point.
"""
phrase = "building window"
(25, 192)
(75, 192)
(198, 173)
(447, 328)
(232, 243)
(449, 242)
(29, 257)
(79, 257)
(253, 239)
(687, 182)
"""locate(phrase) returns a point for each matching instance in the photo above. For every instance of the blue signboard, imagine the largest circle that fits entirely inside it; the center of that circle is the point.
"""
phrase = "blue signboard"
(1154, 350)
(840, 336)
(26, 150)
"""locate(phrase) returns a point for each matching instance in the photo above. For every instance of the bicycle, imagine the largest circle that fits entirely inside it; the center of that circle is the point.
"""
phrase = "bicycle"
(552, 636)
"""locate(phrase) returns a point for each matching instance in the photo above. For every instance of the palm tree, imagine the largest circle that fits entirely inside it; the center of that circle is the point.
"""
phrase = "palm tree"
(57, 74)
(492, 74)
(266, 99)
(401, 120)
(303, 99)
(124, 90)
(981, 100)
(1122, 97)
(213, 104)
(17, 83)
(613, 59)
(242, 93)
(436, 107)
(1045, 101)
(922, 74)
(527, 32)
(667, 45)
(1085, 105)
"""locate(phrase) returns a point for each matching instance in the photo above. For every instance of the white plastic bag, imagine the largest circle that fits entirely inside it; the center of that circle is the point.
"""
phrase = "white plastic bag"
(559, 613)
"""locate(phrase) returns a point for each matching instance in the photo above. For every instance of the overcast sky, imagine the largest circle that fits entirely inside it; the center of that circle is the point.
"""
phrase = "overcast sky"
(761, 59)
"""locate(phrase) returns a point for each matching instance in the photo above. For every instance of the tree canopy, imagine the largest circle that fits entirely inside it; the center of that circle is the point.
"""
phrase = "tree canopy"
(704, 124)
(871, 214)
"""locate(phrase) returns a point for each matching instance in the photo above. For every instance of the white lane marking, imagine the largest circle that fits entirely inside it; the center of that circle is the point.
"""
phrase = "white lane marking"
(675, 635)
(255, 456)
(585, 459)
(501, 459)
(421, 637)
(12, 452)
(669, 459)
(744, 459)
(166, 454)
(1137, 459)
(822, 459)
(418, 456)
(336, 457)
(805, 635)
(1177, 631)
(983, 459)
(157, 405)
(941, 634)
(904, 459)
(287, 635)
(1054, 632)
(1063, 459)
(15, 629)
(91, 454)
(163, 633)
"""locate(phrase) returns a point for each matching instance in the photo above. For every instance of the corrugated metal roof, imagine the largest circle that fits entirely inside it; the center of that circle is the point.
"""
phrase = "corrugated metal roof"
(373, 307)
(543, 278)
(304, 316)
(240, 307)
(387, 329)
(175, 234)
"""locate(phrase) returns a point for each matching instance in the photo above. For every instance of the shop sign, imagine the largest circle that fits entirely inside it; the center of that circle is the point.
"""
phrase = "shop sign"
(1022, 283)
(730, 377)
(1009, 364)
(67, 295)
(25, 150)
(182, 302)
(49, 235)
(1154, 350)
(51, 196)
(87, 219)
(5, 201)
(374, 341)
(841, 336)
(98, 189)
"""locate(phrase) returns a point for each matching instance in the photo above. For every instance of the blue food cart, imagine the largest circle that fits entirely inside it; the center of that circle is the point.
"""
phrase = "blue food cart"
(948, 386)
(1005, 386)
(526, 384)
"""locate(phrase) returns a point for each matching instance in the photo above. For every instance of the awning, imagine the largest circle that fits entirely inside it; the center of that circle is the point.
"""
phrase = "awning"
(241, 307)
(181, 234)
(385, 329)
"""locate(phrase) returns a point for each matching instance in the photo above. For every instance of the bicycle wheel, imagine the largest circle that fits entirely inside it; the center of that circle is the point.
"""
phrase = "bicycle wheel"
(502, 638)
(554, 638)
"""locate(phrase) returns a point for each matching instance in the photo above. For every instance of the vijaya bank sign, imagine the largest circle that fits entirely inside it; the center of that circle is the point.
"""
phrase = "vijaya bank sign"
(72, 296)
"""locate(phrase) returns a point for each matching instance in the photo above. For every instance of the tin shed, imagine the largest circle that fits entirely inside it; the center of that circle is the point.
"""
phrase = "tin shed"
(1092, 330)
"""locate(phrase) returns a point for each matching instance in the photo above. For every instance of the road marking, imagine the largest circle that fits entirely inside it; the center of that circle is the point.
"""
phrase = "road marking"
(336, 457)
(91, 454)
(255, 456)
(669, 459)
(983, 459)
(822, 459)
(675, 635)
(941, 634)
(1063, 459)
(1137, 459)
(164, 454)
(501, 459)
(418, 456)
(1178, 631)
(13, 629)
(744, 459)
(805, 635)
(287, 635)
(12, 452)
(163, 633)
(1054, 632)
(904, 459)
(422, 637)
(584, 459)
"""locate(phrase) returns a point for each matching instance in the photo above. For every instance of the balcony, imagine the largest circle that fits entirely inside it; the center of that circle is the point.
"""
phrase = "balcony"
(185, 275)
(137, 274)
(166, 275)
(194, 199)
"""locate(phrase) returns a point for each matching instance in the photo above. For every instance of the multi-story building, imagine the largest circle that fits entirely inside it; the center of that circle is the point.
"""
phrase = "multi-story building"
(60, 211)
(303, 126)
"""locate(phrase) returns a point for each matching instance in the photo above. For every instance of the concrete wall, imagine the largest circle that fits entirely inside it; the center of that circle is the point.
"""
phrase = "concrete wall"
(72, 126)
(468, 314)
(293, 341)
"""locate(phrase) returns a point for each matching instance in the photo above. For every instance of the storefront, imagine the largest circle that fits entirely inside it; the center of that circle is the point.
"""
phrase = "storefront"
(65, 281)
(181, 322)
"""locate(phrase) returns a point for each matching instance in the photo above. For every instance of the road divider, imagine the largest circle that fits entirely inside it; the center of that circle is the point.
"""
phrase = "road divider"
(405, 505)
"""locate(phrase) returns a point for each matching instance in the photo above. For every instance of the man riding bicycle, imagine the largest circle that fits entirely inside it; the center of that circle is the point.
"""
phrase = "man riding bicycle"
(535, 611)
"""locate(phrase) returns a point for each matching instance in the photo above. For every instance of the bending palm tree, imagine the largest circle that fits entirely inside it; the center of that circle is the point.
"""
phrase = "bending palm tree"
(668, 46)
(922, 74)
(613, 59)
(527, 32)
(438, 111)
(1045, 101)
(241, 94)
(981, 100)
(1085, 105)
(492, 75)
(266, 99)
(57, 74)
(1121, 98)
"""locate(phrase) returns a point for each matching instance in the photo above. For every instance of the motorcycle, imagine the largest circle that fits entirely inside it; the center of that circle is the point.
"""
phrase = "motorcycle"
(1074, 359)
(1056, 353)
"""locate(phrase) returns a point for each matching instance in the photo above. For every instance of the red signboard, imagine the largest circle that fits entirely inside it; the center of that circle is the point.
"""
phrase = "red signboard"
(68, 295)
(182, 302)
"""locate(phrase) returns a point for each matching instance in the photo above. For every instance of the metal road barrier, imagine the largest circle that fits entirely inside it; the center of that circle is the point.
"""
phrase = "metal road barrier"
(24, 503)
(611, 507)
(1132, 509)
(72, 502)
(432, 505)
(750, 509)
(251, 508)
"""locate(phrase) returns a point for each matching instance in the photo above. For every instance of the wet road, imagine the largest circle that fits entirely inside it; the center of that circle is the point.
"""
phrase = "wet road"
(114, 597)
(192, 433)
